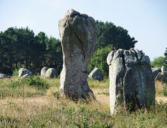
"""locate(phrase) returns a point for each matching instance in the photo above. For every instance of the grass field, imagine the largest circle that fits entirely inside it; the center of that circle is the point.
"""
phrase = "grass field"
(36, 103)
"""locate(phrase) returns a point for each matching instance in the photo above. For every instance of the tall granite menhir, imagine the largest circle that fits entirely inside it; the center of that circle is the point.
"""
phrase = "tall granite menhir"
(131, 80)
(78, 34)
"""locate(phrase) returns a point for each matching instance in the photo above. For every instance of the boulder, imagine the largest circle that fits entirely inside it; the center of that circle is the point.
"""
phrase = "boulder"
(131, 80)
(50, 73)
(155, 72)
(3, 76)
(78, 34)
(23, 72)
(43, 71)
(96, 74)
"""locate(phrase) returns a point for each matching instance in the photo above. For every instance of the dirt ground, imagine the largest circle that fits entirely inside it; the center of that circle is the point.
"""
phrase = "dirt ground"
(102, 96)
(104, 99)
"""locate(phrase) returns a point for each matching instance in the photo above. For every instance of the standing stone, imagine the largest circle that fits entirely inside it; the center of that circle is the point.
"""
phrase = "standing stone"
(23, 72)
(164, 69)
(162, 76)
(96, 74)
(3, 76)
(50, 73)
(131, 80)
(78, 34)
(43, 71)
(155, 72)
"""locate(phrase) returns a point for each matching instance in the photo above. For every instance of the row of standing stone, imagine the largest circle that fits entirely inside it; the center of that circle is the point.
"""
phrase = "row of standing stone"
(131, 80)
(45, 72)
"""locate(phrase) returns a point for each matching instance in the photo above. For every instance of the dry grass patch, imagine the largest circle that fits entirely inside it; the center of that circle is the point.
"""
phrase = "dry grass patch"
(41, 112)
(48, 110)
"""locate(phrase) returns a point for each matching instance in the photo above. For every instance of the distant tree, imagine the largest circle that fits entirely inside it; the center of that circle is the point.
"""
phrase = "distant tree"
(158, 62)
(109, 34)
(42, 40)
(53, 57)
(5, 54)
(19, 47)
(165, 59)
(99, 60)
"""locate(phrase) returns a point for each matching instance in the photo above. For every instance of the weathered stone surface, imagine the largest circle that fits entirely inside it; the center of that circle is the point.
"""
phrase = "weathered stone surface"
(162, 76)
(155, 72)
(96, 74)
(3, 76)
(43, 71)
(23, 72)
(50, 73)
(163, 69)
(78, 34)
(131, 80)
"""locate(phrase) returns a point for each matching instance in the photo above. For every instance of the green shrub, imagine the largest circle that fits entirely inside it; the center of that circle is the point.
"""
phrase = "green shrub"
(36, 81)
(99, 60)
(165, 89)
(158, 62)
(57, 94)
(15, 72)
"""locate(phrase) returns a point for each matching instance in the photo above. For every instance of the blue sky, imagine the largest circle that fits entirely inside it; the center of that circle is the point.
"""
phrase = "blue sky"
(146, 20)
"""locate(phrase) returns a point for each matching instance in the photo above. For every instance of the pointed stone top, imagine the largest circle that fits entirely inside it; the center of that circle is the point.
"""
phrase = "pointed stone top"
(72, 12)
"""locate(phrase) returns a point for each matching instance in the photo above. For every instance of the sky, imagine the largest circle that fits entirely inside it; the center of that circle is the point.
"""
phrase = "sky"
(146, 20)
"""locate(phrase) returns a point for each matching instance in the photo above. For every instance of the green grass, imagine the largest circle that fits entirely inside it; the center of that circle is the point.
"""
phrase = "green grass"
(165, 89)
(67, 114)
(15, 72)
(35, 81)
(36, 103)
(98, 84)
(25, 87)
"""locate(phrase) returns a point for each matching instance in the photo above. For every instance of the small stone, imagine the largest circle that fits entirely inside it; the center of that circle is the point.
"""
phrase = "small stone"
(3, 76)
(163, 69)
(51, 73)
(96, 74)
(24, 72)
(43, 71)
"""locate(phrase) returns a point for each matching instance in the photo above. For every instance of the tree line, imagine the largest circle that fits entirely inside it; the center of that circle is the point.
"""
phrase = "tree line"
(20, 47)
(160, 61)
